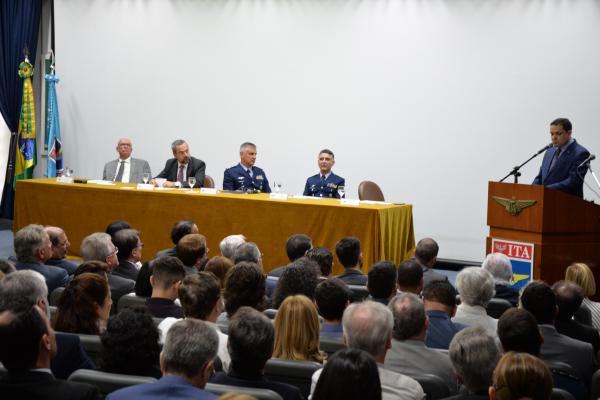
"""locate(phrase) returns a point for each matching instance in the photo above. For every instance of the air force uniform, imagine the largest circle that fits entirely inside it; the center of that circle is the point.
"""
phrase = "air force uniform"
(242, 178)
(323, 186)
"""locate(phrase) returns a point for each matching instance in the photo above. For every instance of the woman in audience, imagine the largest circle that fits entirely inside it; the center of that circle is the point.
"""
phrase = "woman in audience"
(582, 275)
(244, 286)
(297, 330)
(349, 375)
(84, 305)
(300, 277)
(130, 344)
(521, 376)
(219, 266)
(476, 287)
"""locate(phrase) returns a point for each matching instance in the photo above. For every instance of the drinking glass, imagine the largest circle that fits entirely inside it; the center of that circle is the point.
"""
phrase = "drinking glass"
(146, 177)
(68, 172)
(191, 181)
(341, 190)
(277, 185)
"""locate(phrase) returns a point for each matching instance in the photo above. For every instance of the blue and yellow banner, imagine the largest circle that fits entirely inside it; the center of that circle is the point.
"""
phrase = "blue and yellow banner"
(55, 159)
(26, 154)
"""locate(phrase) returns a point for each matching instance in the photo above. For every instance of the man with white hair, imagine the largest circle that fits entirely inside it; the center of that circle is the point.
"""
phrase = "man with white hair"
(229, 245)
(245, 176)
(368, 326)
(475, 287)
(499, 266)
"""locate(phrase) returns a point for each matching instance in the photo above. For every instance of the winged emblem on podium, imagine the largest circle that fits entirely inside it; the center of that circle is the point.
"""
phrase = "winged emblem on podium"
(513, 206)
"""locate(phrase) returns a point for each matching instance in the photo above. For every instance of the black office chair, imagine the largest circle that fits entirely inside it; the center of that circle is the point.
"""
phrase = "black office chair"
(496, 307)
(107, 382)
(331, 345)
(358, 293)
(297, 373)
(260, 394)
(130, 301)
(433, 386)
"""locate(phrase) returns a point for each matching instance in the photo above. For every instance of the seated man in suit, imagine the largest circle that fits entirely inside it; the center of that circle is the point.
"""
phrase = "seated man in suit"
(332, 296)
(410, 277)
(60, 247)
(382, 282)
(426, 254)
(182, 166)
(348, 253)
(325, 183)
(245, 176)
(33, 248)
(27, 345)
(296, 246)
(191, 250)
(186, 362)
(130, 253)
(500, 267)
(167, 274)
(126, 168)
(439, 299)
(250, 343)
(560, 168)
(179, 230)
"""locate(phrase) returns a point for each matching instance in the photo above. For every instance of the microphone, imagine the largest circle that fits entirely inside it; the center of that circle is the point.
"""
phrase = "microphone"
(546, 147)
(587, 160)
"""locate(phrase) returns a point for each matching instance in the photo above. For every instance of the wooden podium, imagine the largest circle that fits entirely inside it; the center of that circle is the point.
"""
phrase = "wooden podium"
(563, 228)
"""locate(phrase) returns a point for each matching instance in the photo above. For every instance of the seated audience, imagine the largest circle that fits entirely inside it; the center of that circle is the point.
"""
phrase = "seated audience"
(27, 345)
(439, 300)
(408, 354)
(520, 376)
(219, 266)
(350, 375)
(474, 355)
(33, 248)
(244, 286)
(500, 267)
(200, 296)
(130, 253)
(250, 345)
(426, 254)
(332, 296)
(296, 246)
(60, 248)
(382, 282)
(248, 252)
(349, 255)
(297, 330)
(323, 257)
(143, 288)
(410, 277)
(539, 299)
(582, 275)
(300, 277)
(179, 230)
(229, 245)
(116, 226)
(130, 344)
(475, 287)
(167, 273)
(7, 267)
(569, 297)
(186, 362)
(84, 305)
(192, 251)
(368, 326)
(93, 267)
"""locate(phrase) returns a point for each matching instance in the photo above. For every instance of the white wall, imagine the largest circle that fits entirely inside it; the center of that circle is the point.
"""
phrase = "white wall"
(431, 99)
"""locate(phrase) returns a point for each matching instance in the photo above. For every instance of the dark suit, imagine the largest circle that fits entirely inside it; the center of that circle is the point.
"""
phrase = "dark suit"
(126, 269)
(353, 276)
(54, 276)
(67, 265)
(70, 356)
(288, 392)
(41, 385)
(237, 177)
(323, 188)
(578, 331)
(564, 174)
(507, 293)
(195, 167)
(119, 287)
(163, 308)
(277, 272)
(172, 252)
(558, 347)
(168, 387)
(430, 275)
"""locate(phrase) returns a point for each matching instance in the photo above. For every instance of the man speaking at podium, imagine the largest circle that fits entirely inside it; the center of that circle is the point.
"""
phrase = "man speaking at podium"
(562, 167)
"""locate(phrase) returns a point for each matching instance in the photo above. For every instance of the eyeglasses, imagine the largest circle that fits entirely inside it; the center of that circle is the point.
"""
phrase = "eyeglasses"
(114, 253)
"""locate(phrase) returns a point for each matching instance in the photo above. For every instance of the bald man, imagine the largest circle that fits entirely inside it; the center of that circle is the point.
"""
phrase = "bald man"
(126, 168)
(60, 248)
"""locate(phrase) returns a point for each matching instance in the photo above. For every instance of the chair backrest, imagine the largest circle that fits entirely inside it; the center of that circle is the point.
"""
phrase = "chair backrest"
(496, 307)
(208, 182)
(566, 378)
(92, 346)
(297, 373)
(270, 313)
(260, 394)
(433, 386)
(157, 321)
(559, 394)
(107, 382)
(55, 295)
(358, 293)
(129, 301)
(368, 190)
(595, 385)
(331, 345)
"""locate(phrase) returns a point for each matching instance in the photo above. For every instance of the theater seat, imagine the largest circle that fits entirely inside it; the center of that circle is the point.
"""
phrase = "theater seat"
(270, 313)
(107, 382)
(130, 301)
(496, 307)
(567, 379)
(208, 182)
(358, 293)
(559, 394)
(583, 315)
(433, 386)
(368, 190)
(331, 345)
(297, 373)
(259, 394)
(92, 346)
(55, 295)
(595, 386)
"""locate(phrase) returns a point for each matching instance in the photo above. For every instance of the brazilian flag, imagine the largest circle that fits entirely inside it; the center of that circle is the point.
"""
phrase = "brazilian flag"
(26, 154)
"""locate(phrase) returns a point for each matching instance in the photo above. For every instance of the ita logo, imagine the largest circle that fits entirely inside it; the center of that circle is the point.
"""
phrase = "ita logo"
(521, 258)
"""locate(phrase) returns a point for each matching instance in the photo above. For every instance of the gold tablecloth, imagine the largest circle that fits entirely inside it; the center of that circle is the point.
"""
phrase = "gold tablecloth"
(385, 230)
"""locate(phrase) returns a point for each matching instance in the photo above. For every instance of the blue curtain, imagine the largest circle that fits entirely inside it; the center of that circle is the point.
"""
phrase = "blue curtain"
(19, 26)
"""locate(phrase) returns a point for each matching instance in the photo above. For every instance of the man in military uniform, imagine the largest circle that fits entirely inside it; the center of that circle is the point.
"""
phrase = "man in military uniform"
(245, 176)
(325, 183)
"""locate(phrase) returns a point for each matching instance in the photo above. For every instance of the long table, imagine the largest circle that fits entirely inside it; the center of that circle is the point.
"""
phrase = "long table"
(385, 230)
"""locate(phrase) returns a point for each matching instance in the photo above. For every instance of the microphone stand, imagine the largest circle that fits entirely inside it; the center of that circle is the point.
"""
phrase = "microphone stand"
(594, 175)
(515, 171)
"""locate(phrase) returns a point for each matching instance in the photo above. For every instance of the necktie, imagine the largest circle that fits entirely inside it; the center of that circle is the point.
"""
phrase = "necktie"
(250, 172)
(554, 159)
(180, 173)
(322, 179)
(119, 177)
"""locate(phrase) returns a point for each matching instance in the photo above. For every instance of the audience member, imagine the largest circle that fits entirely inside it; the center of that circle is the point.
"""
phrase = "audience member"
(351, 374)
(520, 376)
(167, 273)
(300, 277)
(539, 299)
(92, 267)
(248, 252)
(474, 355)
(179, 230)
(219, 265)
(332, 296)
(192, 251)
(84, 305)
(27, 345)
(297, 330)
(476, 288)
(323, 257)
(186, 362)
(382, 282)
(244, 286)
(250, 345)
(130, 344)
(410, 277)
(500, 267)
(130, 253)
(60, 248)
(408, 354)
(349, 255)
(439, 300)
(33, 248)
(116, 226)
(7, 267)
(368, 326)
(518, 331)
(582, 275)
(296, 246)
(229, 245)
(426, 254)
(143, 288)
